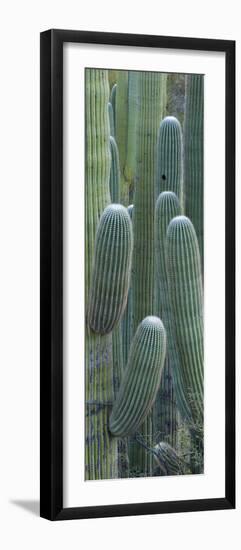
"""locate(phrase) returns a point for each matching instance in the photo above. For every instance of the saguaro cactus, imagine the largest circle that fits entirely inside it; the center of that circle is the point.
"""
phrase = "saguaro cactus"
(193, 154)
(168, 207)
(111, 269)
(100, 448)
(141, 378)
(114, 172)
(132, 129)
(186, 300)
(170, 158)
(143, 274)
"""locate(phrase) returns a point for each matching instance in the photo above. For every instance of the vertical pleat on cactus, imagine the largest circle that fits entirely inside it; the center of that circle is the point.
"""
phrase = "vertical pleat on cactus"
(141, 378)
(186, 301)
(113, 103)
(100, 448)
(193, 154)
(114, 172)
(143, 276)
(127, 317)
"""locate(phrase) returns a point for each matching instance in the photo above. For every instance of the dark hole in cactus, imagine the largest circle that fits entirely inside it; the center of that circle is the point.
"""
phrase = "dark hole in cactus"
(164, 177)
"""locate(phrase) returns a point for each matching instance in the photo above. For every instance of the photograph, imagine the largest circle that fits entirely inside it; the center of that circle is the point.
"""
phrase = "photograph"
(144, 274)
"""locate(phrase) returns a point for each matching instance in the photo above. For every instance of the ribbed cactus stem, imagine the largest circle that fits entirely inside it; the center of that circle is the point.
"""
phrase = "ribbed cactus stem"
(193, 154)
(127, 317)
(121, 129)
(186, 301)
(111, 119)
(168, 207)
(100, 447)
(132, 128)
(113, 103)
(170, 158)
(168, 459)
(141, 378)
(143, 273)
(111, 269)
(114, 172)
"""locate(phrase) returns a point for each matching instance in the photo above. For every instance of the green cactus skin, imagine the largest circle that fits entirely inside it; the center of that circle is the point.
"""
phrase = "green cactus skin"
(193, 154)
(141, 378)
(111, 119)
(143, 273)
(167, 208)
(114, 172)
(111, 269)
(121, 129)
(176, 95)
(170, 158)
(118, 367)
(186, 301)
(132, 129)
(101, 458)
(127, 317)
(168, 459)
(113, 103)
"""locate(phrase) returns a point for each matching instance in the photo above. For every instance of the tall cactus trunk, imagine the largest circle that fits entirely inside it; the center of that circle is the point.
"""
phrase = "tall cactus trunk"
(169, 180)
(100, 447)
(121, 128)
(193, 154)
(143, 277)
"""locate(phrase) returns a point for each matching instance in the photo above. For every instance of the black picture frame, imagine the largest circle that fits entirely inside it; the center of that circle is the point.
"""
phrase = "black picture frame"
(51, 324)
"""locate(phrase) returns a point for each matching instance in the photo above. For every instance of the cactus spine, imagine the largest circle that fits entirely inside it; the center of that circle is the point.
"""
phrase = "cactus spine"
(186, 300)
(111, 269)
(100, 447)
(141, 378)
(114, 172)
(193, 154)
(170, 158)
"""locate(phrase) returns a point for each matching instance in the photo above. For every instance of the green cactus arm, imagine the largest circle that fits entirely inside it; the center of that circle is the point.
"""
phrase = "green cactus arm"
(113, 103)
(141, 378)
(100, 448)
(111, 119)
(170, 158)
(193, 154)
(186, 301)
(114, 172)
(111, 269)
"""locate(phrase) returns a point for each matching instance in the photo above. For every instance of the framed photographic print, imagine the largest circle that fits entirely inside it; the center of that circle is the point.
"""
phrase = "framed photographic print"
(137, 274)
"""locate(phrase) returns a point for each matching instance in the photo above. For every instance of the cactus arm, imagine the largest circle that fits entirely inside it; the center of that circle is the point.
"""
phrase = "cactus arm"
(114, 172)
(186, 300)
(121, 122)
(141, 378)
(111, 119)
(170, 158)
(111, 269)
